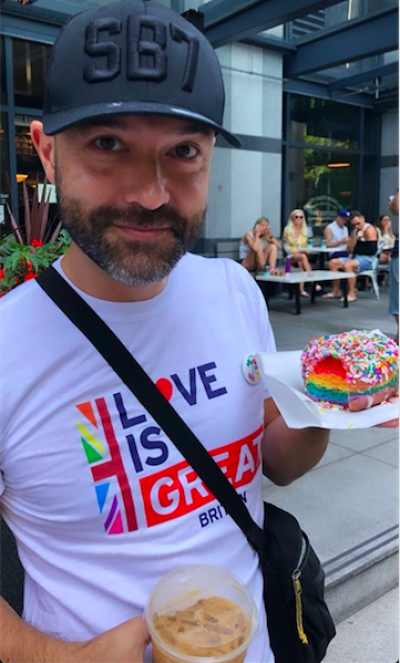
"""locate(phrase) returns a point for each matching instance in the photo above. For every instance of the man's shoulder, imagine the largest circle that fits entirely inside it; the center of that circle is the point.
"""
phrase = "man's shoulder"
(216, 268)
(371, 231)
(333, 225)
(219, 277)
(20, 309)
(17, 299)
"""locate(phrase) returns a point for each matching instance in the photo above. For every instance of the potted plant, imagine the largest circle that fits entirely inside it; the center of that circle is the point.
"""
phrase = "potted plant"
(30, 249)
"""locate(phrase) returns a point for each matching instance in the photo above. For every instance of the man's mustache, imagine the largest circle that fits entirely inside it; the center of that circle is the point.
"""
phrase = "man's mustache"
(138, 217)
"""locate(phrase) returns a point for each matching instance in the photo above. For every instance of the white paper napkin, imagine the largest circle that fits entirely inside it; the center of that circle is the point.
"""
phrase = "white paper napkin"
(281, 372)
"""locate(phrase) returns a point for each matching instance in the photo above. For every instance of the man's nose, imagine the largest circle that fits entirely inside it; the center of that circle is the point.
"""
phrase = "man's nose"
(147, 186)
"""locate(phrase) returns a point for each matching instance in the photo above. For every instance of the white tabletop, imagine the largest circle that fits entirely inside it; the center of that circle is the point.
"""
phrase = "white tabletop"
(318, 249)
(305, 277)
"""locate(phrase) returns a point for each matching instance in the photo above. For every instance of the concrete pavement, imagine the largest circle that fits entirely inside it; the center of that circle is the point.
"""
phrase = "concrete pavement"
(348, 504)
(370, 635)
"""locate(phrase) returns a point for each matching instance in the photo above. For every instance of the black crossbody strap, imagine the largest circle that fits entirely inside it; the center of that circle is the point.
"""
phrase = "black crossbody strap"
(137, 380)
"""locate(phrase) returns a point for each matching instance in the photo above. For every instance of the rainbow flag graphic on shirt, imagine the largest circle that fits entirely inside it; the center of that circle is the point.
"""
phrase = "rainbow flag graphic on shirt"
(108, 472)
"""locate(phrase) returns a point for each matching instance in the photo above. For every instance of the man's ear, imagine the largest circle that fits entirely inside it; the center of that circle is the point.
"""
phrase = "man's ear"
(45, 148)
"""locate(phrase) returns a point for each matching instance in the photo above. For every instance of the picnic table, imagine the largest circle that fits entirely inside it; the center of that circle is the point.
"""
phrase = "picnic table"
(294, 278)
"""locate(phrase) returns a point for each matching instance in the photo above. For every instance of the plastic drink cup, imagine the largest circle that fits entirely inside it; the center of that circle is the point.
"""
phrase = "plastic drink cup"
(200, 614)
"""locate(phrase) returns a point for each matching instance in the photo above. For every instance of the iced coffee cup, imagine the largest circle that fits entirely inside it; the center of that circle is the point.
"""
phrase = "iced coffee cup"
(200, 614)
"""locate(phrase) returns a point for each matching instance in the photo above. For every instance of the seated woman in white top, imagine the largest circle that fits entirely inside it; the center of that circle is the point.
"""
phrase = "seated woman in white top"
(386, 238)
(258, 247)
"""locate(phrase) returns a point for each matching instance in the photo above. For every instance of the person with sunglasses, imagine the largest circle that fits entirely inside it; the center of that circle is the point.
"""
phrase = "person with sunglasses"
(362, 248)
(295, 237)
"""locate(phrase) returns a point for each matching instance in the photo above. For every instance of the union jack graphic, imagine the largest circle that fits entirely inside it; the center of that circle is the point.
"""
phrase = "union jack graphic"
(106, 464)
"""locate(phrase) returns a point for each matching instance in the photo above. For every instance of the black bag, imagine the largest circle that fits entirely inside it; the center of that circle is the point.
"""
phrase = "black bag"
(299, 624)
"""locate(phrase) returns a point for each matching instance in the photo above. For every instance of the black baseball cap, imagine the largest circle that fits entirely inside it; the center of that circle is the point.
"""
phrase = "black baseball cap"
(133, 57)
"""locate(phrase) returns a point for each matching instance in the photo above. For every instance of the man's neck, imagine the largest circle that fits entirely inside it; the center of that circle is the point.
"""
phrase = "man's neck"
(94, 281)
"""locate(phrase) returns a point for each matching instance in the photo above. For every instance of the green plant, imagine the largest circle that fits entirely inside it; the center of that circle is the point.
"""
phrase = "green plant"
(32, 247)
(20, 262)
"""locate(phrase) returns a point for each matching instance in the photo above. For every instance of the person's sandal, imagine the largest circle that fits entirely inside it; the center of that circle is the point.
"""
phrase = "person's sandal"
(304, 293)
(349, 299)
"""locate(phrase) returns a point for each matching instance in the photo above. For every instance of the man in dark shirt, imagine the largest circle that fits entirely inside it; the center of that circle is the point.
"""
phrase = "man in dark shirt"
(362, 247)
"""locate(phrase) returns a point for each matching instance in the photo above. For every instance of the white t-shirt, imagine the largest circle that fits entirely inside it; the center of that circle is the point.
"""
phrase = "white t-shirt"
(100, 501)
(385, 241)
(338, 232)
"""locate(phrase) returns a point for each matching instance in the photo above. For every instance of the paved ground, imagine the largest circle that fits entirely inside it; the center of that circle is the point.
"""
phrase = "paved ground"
(370, 635)
(348, 504)
(327, 317)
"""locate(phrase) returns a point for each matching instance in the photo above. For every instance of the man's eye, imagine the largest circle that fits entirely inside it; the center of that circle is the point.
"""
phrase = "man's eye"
(108, 143)
(186, 151)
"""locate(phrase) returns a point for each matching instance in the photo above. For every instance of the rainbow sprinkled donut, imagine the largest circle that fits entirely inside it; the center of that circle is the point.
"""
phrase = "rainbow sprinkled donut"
(342, 367)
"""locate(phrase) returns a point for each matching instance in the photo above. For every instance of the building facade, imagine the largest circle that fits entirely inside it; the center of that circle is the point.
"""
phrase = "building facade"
(299, 149)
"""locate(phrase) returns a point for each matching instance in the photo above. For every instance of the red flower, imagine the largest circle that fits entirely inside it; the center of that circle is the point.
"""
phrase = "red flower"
(30, 275)
(2, 275)
(36, 243)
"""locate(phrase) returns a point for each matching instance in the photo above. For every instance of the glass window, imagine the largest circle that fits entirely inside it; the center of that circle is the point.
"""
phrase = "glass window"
(370, 191)
(5, 174)
(322, 182)
(285, 128)
(29, 166)
(28, 162)
(3, 73)
(371, 131)
(30, 63)
(323, 122)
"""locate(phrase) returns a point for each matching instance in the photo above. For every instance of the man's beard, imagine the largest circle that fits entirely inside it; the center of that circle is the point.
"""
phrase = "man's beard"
(131, 261)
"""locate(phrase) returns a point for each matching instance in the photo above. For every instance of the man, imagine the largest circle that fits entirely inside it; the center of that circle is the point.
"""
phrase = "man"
(337, 238)
(394, 269)
(362, 247)
(99, 499)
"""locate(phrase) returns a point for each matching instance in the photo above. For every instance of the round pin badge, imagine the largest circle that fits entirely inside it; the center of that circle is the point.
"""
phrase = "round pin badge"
(251, 371)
